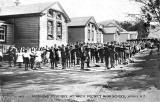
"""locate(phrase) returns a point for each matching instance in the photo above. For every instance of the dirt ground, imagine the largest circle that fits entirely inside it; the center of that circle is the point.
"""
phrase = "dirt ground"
(139, 81)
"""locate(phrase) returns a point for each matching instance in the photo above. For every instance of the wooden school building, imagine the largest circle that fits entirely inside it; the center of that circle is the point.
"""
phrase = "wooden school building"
(82, 29)
(35, 25)
(113, 32)
(100, 33)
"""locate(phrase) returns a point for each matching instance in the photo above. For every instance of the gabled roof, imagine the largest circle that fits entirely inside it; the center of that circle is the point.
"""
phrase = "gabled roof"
(110, 30)
(107, 22)
(120, 28)
(113, 22)
(28, 9)
(25, 9)
(80, 21)
(133, 32)
(100, 26)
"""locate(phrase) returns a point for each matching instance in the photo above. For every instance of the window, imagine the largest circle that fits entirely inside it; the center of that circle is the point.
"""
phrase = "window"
(59, 30)
(97, 37)
(92, 26)
(88, 35)
(2, 33)
(88, 25)
(50, 29)
(59, 16)
(50, 13)
(92, 35)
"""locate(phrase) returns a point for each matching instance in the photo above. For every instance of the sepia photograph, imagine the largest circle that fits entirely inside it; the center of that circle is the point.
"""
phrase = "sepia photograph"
(79, 50)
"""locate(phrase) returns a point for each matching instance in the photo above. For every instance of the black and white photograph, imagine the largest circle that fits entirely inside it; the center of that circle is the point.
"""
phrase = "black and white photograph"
(79, 50)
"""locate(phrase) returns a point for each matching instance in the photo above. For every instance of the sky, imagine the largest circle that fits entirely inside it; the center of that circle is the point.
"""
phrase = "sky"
(102, 10)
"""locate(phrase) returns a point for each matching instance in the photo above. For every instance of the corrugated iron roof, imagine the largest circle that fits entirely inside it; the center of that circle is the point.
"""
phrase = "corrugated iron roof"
(114, 22)
(133, 32)
(25, 9)
(110, 30)
(107, 22)
(79, 21)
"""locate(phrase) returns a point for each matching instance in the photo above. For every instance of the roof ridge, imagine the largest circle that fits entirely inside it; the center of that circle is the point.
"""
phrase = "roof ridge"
(83, 17)
(30, 4)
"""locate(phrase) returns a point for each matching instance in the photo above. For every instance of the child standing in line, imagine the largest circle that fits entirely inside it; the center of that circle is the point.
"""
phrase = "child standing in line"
(38, 58)
(72, 56)
(19, 58)
(26, 59)
(32, 58)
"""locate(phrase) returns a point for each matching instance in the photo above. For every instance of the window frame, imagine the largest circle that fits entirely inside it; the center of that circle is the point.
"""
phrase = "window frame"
(53, 14)
(89, 35)
(5, 31)
(88, 25)
(59, 18)
(57, 30)
(92, 35)
(52, 29)
(93, 26)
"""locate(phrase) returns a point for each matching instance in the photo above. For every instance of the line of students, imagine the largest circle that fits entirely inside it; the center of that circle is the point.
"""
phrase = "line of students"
(71, 55)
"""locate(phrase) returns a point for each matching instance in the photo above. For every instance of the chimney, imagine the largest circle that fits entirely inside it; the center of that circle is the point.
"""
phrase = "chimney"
(17, 2)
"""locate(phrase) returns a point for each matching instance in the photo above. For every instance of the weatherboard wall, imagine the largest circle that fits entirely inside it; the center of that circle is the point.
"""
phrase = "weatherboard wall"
(26, 31)
(9, 36)
(76, 34)
(108, 38)
(124, 37)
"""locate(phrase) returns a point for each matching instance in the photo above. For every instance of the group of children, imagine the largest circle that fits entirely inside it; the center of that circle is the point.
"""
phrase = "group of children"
(68, 55)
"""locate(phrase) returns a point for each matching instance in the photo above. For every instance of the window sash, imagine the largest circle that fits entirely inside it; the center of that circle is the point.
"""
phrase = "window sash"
(59, 16)
(2, 33)
(92, 35)
(59, 31)
(89, 35)
(50, 13)
(50, 29)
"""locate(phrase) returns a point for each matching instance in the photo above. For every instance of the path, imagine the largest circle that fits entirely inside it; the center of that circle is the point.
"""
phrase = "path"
(139, 79)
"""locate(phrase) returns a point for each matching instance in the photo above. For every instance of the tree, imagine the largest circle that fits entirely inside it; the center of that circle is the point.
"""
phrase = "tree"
(150, 10)
(129, 26)
(135, 26)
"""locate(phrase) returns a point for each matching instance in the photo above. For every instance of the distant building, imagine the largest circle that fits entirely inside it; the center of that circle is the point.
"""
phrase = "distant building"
(113, 32)
(124, 36)
(35, 25)
(133, 34)
(100, 33)
(128, 35)
(82, 29)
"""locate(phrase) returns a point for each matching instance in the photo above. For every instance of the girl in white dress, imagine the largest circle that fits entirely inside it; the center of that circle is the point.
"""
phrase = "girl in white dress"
(19, 58)
(38, 59)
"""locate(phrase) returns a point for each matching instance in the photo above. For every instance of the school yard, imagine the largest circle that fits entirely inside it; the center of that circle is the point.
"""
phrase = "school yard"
(137, 82)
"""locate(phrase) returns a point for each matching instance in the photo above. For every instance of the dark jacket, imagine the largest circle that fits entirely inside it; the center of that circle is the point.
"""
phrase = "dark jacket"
(100, 51)
(106, 52)
(52, 54)
(82, 53)
(63, 53)
(56, 54)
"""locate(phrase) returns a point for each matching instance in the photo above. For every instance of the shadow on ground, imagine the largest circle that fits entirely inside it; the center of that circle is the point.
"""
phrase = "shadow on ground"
(143, 77)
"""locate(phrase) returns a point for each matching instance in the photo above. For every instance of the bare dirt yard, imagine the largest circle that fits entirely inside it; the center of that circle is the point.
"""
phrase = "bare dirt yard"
(139, 81)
